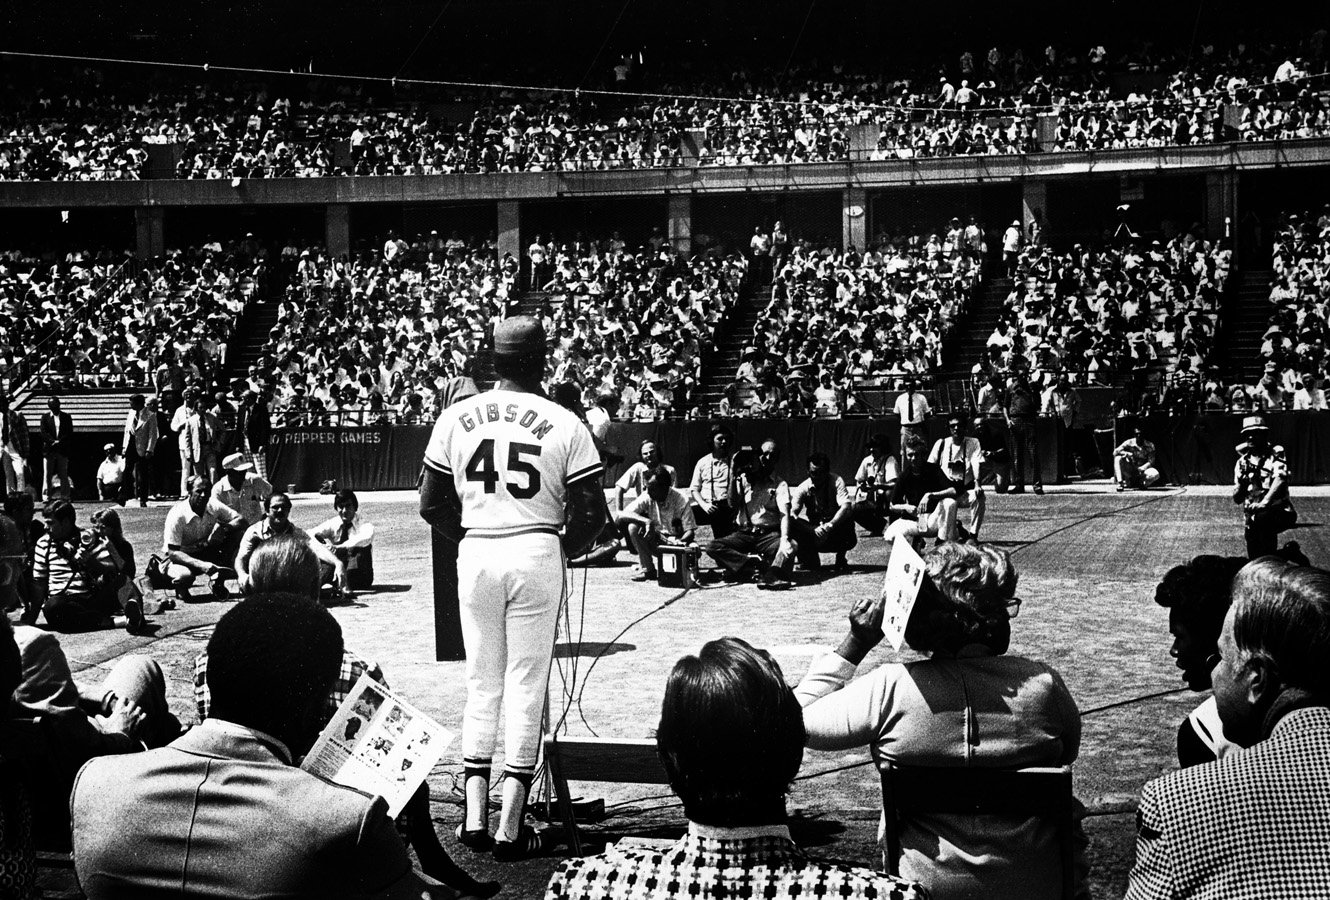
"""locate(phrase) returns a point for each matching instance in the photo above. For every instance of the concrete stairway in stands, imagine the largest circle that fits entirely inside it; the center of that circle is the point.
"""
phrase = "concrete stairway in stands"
(529, 303)
(526, 303)
(1244, 316)
(965, 347)
(251, 334)
(720, 364)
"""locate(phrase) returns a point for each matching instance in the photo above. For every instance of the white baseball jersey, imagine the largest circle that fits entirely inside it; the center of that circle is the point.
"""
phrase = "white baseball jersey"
(511, 456)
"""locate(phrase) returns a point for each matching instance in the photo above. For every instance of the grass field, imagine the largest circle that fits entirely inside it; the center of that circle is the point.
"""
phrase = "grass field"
(1088, 560)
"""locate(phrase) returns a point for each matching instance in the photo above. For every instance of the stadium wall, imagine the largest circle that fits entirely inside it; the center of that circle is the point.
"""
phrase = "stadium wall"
(1192, 449)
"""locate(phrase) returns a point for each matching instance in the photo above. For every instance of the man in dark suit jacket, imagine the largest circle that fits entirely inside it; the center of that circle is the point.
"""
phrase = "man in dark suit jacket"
(224, 811)
(255, 423)
(57, 430)
(1257, 822)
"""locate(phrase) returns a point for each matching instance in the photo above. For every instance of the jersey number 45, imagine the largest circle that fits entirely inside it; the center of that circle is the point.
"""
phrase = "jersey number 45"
(481, 468)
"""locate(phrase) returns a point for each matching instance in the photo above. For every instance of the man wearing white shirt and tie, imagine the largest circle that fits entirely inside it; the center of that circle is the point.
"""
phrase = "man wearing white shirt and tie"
(959, 457)
(913, 409)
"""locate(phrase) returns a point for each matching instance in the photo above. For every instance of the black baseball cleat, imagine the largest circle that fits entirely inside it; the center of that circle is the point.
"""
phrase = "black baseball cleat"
(530, 843)
(479, 840)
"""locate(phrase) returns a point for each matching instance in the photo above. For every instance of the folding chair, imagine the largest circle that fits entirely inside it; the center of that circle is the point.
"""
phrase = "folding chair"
(975, 791)
(597, 759)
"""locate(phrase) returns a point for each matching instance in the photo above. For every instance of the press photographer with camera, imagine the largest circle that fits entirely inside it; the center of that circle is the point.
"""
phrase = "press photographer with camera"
(762, 504)
(874, 482)
(81, 578)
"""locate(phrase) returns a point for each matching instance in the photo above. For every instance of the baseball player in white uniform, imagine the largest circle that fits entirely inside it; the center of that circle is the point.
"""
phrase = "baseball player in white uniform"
(516, 476)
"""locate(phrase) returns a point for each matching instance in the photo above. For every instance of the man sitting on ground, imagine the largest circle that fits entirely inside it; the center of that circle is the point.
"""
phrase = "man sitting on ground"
(350, 538)
(1244, 826)
(202, 537)
(276, 524)
(924, 498)
(662, 515)
(75, 578)
(874, 482)
(731, 739)
(129, 704)
(1134, 463)
(223, 810)
(823, 516)
(761, 500)
(960, 458)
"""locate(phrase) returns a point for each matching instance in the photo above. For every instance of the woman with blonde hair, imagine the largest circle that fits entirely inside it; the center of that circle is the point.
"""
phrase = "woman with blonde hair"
(965, 704)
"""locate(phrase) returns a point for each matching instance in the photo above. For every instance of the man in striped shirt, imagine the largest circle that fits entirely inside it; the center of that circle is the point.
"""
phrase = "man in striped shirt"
(74, 577)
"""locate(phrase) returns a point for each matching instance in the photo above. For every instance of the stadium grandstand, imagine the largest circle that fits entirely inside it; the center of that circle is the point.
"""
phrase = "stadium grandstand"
(831, 235)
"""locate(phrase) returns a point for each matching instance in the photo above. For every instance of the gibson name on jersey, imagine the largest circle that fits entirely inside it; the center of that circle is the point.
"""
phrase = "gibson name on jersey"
(511, 412)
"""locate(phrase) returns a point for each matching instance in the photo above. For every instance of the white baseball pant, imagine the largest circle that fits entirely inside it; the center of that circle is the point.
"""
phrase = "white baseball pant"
(510, 589)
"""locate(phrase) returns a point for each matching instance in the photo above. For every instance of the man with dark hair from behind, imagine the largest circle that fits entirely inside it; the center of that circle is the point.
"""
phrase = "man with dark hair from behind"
(287, 564)
(1253, 823)
(731, 740)
(224, 810)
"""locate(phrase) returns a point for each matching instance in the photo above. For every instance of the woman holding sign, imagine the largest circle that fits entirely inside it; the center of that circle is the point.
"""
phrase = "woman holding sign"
(967, 704)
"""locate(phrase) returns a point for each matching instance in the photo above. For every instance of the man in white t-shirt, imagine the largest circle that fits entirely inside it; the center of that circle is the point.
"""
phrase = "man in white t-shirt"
(514, 478)
(760, 245)
(1011, 245)
(635, 478)
(539, 258)
(111, 476)
(960, 458)
(660, 515)
(201, 538)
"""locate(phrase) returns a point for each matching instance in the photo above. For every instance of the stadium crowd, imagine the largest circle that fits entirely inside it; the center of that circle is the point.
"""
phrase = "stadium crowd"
(633, 325)
(1100, 313)
(107, 322)
(990, 103)
(359, 341)
(1293, 347)
(841, 319)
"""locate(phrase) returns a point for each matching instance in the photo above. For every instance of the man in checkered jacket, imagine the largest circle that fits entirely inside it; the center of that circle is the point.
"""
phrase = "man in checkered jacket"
(1257, 822)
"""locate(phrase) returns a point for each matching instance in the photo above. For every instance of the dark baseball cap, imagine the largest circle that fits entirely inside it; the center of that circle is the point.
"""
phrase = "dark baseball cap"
(519, 336)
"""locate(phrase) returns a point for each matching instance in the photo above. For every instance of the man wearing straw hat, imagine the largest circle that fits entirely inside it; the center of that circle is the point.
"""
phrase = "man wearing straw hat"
(241, 488)
(1261, 480)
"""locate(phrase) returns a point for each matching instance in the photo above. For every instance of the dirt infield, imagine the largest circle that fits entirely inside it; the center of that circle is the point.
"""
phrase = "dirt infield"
(1088, 560)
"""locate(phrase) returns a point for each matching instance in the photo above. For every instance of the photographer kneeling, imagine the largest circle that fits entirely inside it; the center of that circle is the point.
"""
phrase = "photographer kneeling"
(79, 577)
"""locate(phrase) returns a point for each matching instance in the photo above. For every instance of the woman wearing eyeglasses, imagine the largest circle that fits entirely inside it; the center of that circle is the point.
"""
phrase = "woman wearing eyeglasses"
(965, 704)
